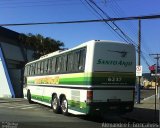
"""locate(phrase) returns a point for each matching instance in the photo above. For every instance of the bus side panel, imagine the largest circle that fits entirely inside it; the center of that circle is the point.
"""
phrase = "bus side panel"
(36, 92)
(77, 101)
(89, 58)
(76, 98)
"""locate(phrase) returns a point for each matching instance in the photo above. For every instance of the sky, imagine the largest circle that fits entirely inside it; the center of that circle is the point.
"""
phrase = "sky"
(29, 11)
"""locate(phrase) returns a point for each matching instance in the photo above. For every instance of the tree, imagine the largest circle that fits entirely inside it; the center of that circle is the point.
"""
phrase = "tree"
(40, 45)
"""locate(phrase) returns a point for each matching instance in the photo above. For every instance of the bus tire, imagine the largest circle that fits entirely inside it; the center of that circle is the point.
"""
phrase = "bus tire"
(55, 104)
(29, 97)
(64, 106)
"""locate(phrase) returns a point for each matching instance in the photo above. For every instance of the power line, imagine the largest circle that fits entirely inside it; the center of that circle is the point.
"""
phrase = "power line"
(86, 21)
(126, 37)
(94, 12)
(89, 21)
(105, 21)
(116, 8)
(39, 3)
(24, 4)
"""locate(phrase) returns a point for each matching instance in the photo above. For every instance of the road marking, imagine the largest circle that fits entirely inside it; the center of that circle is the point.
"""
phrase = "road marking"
(19, 106)
(24, 106)
(7, 105)
(28, 107)
(37, 109)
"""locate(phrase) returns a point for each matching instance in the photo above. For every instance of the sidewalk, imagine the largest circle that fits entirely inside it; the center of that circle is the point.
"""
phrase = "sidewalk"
(145, 111)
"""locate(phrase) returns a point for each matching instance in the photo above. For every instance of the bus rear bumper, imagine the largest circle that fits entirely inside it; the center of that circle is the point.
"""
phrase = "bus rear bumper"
(114, 108)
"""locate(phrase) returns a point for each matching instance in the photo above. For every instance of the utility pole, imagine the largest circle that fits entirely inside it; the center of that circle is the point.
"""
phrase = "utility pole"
(156, 76)
(139, 62)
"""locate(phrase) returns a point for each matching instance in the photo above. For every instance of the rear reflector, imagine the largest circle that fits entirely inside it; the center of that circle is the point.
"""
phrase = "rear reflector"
(89, 96)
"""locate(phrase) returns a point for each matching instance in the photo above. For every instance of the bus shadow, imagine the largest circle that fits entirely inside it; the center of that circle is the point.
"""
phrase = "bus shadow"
(138, 115)
(102, 119)
(143, 115)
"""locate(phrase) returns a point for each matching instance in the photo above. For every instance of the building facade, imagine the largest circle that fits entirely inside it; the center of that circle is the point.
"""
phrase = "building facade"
(15, 56)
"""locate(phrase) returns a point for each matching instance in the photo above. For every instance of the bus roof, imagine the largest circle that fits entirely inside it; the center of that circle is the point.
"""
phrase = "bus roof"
(77, 47)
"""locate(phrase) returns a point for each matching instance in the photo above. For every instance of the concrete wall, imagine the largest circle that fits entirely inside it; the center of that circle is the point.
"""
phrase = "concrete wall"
(15, 56)
(12, 52)
(15, 63)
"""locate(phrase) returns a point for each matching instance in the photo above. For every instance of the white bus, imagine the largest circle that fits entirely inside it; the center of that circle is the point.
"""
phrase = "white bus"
(96, 77)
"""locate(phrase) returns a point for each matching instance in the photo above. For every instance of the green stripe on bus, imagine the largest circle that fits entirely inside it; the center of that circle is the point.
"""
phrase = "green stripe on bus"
(77, 81)
(74, 105)
(78, 106)
(93, 79)
(101, 74)
(45, 99)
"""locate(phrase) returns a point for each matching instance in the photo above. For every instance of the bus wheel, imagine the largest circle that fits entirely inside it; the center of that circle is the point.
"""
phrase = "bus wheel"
(64, 106)
(29, 97)
(55, 104)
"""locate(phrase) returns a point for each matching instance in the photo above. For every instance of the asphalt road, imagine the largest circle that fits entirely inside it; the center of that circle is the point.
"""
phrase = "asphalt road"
(21, 114)
(24, 115)
(27, 115)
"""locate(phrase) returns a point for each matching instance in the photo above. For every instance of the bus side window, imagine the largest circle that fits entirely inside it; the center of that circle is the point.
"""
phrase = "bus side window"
(58, 64)
(45, 66)
(76, 60)
(64, 64)
(25, 71)
(33, 69)
(82, 59)
(53, 65)
(49, 66)
(30, 70)
(38, 68)
(70, 62)
(42, 67)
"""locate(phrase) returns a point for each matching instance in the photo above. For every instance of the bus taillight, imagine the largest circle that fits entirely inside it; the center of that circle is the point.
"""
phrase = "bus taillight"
(89, 96)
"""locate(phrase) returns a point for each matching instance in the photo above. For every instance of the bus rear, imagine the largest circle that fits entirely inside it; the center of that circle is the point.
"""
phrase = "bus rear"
(112, 78)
